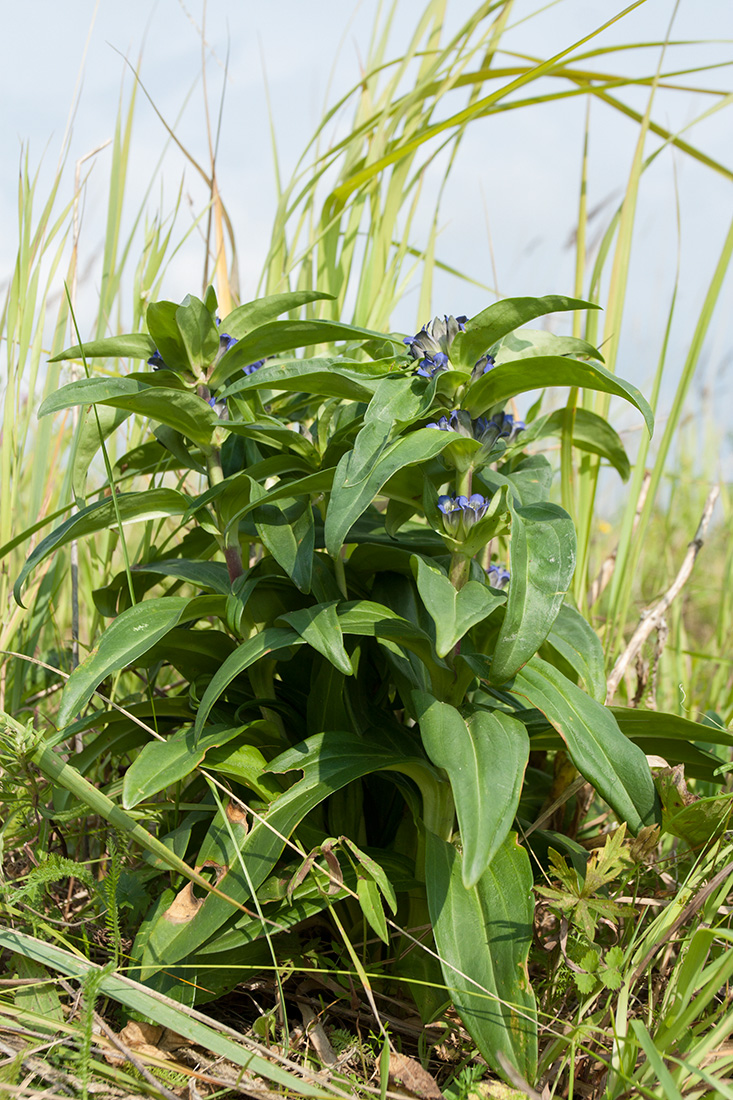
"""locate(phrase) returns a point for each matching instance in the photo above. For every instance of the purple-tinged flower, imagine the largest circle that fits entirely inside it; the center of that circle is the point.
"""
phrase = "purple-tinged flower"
(156, 361)
(500, 426)
(432, 344)
(252, 367)
(461, 423)
(461, 512)
(226, 342)
(452, 510)
(483, 366)
(498, 576)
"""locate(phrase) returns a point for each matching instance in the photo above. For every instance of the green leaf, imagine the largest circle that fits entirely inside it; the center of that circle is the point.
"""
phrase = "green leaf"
(354, 490)
(136, 345)
(542, 561)
(453, 611)
(163, 763)
(287, 530)
(591, 433)
(641, 725)
(163, 327)
(198, 332)
(374, 620)
(129, 636)
(528, 342)
(254, 314)
(370, 901)
(485, 755)
(179, 409)
(483, 330)
(270, 640)
(609, 761)
(204, 574)
(320, 627)
(94, 429)
(133, 508)
(483, 936)
(278, 336)
(578, 644)
(509, 379)
(326, 377)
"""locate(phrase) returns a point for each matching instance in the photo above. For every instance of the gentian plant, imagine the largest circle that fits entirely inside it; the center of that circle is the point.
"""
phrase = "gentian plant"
(351, 620)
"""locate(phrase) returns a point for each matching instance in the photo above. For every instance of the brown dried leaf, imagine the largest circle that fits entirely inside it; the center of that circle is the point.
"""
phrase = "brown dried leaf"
(413, 1076)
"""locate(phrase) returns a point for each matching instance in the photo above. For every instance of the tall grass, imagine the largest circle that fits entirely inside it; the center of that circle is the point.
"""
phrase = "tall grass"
(346, 224)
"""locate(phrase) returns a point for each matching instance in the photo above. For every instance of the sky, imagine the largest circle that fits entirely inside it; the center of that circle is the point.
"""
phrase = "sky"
(509, 208)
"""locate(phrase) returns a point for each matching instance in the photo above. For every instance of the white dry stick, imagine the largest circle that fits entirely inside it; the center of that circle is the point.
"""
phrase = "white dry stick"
(651, 619)
(605, 573)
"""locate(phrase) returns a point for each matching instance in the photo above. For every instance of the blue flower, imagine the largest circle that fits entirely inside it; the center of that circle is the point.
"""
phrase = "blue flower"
(461, 512)
(483, 366)
(432, 344)
(501, 426)
(498, 576)
(156, 361)
(252, 367)
(226, 342)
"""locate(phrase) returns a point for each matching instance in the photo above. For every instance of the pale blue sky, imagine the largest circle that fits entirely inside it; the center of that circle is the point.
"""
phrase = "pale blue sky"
(517, 173)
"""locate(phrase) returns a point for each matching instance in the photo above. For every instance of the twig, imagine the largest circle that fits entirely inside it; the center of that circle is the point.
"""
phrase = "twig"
(652, 618)
(605, 573)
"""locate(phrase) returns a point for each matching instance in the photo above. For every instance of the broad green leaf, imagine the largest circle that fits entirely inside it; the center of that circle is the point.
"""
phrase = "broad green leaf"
(278, 336)
(577, 643)
(370, 901)
(453, 611)
(126, 638)
(642, 724)
(485, 754)
(320, 627)
(694, 820)
(254, 314)
(272, 432)
(198, 333)
(163, 327)
(94, 429)
(352, 493)
(615, 766)
(542, 561)
(152, 1005)
(483, 330)
(509, 379)
(591, 433)
(133, 508)
(162, 763)
(527, 342)
(375, 871)
(204, 574)
(483, 936)
(270, 640)
(326, 377)
(136, 345)
(374, 620)
(287, 531)
(179, 409)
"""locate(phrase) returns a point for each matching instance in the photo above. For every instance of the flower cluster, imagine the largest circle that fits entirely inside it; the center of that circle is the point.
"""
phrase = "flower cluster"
(460, 513)
(500, 426)
(432, 347)
(432, 344)
(498, 576)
